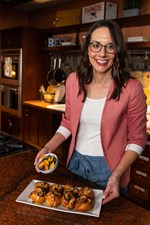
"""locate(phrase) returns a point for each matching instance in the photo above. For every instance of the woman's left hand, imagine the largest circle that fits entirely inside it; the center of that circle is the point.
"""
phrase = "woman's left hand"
(112, 190)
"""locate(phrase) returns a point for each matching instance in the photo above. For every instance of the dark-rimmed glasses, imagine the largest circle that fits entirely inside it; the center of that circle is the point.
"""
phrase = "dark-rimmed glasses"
(96, 47)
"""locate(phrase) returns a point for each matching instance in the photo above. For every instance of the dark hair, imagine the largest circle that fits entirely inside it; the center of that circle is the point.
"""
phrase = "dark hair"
(120, 74)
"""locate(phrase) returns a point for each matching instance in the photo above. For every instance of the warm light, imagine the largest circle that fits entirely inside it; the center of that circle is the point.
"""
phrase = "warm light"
(147, 93)
(13, 73)
(41, 1)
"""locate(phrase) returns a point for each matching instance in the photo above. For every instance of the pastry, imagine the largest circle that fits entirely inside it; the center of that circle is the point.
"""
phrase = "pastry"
(86, 191)
(71, 188)
(68, 200)
(52, 199)
(42, 184)
(84, 204)
(38, 195)
(57, 188)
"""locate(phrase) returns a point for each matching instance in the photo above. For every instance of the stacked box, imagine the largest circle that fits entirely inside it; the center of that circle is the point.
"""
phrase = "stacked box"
(99, 11)
(68, 17)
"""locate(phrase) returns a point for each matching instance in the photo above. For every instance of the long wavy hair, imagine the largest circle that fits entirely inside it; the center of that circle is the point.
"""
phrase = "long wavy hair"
(120, 73)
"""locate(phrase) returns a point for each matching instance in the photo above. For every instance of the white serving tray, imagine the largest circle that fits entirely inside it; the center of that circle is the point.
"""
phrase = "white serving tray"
(23, 198)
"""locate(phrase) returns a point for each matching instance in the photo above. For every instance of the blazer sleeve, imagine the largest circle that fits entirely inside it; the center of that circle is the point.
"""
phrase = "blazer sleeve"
(65, 122)
(137, 116)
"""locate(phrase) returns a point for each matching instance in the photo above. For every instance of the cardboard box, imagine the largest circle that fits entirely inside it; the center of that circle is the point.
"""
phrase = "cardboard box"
(99, 11)
(68, 17)
(131, 12)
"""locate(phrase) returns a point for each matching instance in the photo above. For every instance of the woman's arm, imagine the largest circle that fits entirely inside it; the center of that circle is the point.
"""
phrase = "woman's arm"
(113, 185)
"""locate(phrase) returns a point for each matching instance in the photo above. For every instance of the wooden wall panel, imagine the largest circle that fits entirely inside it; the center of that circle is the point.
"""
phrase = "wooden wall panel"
(12, 18)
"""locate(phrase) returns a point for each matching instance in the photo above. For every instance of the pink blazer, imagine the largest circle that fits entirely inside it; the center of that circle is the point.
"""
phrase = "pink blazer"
(123, 121)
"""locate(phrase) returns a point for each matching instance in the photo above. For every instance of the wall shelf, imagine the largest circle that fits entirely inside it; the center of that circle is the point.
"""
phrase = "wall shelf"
(141, 45)
(141, 20)
(57, 49)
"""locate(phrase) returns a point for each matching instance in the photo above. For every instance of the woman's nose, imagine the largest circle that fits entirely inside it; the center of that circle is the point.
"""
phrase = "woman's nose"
(102, 52)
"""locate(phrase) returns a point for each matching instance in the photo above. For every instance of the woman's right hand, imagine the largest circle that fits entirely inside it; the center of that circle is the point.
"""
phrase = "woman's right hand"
(50, 147)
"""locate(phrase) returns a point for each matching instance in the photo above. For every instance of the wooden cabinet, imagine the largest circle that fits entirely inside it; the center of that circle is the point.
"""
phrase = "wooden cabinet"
(37, 125)
(40, 124)
(30, 125)
(139, 186)
(35, 64)
(11, 38)
(10, 124)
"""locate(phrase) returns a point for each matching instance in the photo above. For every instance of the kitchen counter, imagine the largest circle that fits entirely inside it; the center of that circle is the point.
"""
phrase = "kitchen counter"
(17, 171)
(61, 108)
(46, 105)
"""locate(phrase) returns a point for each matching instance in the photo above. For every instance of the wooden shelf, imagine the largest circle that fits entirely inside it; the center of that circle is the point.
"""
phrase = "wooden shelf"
(57, 49)
(134, 21)
(10, 81)
(141, 45)
(142, 20)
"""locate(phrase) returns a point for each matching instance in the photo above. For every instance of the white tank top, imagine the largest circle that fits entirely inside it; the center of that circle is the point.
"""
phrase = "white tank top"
(89, 137)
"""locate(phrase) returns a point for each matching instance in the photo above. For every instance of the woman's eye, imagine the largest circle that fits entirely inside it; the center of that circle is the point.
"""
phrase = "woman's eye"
(110, 46)
(95, 45)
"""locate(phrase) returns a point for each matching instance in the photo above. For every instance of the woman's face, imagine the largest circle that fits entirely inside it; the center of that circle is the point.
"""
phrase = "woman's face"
(101, 58)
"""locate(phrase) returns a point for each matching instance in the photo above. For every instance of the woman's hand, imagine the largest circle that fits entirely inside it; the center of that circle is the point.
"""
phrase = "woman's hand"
(50, 147)
(43, 151)
(112, 190)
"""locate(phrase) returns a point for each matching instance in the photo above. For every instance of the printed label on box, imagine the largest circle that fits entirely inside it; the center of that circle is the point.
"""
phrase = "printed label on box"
(99, 11)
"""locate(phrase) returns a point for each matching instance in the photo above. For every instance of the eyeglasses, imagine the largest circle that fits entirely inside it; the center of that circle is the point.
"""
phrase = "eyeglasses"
(96, 47)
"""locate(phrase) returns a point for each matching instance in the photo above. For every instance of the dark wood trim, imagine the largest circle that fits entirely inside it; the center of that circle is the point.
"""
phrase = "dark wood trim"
(71, 48)
(141, 45)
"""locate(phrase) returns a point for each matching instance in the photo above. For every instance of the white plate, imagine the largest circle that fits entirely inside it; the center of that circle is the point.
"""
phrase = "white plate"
(23, 198)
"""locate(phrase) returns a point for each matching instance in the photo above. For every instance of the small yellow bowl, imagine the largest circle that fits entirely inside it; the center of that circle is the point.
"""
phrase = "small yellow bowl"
(47, 163)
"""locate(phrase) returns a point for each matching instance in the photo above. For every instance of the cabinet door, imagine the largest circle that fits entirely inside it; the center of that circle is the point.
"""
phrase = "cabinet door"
(10, 124)
(37, 126)
(45, 127)
(30, 126)
(11, 38)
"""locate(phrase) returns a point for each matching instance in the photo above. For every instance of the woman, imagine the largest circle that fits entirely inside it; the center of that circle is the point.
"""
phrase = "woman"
(105, 113)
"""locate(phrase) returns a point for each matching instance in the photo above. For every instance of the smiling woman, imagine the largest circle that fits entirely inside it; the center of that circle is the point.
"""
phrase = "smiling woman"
(105, 107)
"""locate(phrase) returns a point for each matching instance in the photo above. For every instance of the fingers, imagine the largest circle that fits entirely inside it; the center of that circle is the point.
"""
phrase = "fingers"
(108, 198)
(39, 154)
(36, 161)
(36, 158)
(109, 194)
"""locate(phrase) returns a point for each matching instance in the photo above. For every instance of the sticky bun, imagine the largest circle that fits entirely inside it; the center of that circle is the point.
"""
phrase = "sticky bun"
(52, 199)
(86, 191)
(84, 204)
(68, 200)
(38, 195)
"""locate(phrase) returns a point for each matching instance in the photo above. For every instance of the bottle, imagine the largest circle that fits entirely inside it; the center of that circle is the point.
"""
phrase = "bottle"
(126, 5)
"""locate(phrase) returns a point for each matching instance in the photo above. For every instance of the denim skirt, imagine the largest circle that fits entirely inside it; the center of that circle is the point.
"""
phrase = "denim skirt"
(92, 168)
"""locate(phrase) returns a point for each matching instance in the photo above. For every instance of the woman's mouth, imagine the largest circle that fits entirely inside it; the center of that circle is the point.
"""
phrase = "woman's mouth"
(102, 62)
